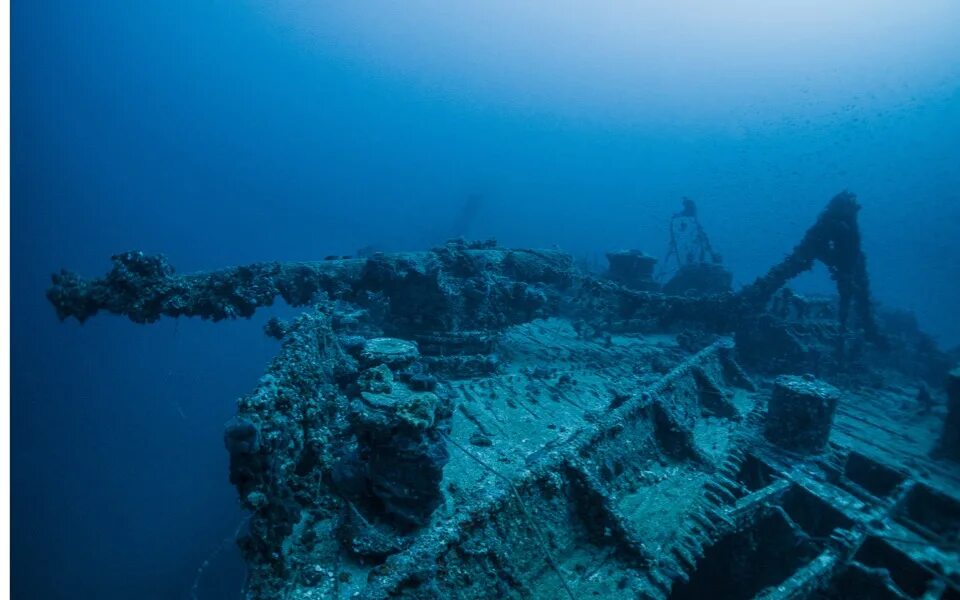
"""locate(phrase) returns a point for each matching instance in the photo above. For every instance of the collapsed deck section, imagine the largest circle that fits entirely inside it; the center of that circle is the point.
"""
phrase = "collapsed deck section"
(591, 469)
(584, 468)
(870, 517)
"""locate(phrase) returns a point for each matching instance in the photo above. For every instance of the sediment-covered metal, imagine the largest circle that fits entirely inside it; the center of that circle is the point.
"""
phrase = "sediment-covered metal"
(833, 240)
(474, 422)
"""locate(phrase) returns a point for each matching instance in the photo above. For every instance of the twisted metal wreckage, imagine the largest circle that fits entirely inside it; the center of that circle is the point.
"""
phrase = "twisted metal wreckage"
(477, 422)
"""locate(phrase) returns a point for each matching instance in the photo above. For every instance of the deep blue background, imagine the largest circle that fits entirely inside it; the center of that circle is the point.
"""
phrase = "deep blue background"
(228, 132)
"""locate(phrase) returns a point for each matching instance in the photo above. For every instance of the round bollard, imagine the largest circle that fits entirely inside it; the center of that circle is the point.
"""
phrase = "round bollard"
(800, 413)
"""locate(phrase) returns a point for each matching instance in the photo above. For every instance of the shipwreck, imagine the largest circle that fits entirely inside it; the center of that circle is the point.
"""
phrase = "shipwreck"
(475, 421)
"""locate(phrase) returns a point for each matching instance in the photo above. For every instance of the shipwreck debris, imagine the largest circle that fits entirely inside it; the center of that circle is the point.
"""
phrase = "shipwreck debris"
(475, 421)
(695, 267)
(949, 444)
(393, 469)
(833, 240)
(800, 413)
(633, 269)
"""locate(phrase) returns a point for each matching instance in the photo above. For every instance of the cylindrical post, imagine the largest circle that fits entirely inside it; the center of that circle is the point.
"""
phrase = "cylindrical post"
(800, 413)
(949, 444)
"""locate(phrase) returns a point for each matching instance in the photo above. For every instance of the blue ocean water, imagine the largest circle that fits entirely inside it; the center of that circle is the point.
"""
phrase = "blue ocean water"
(221, 133)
